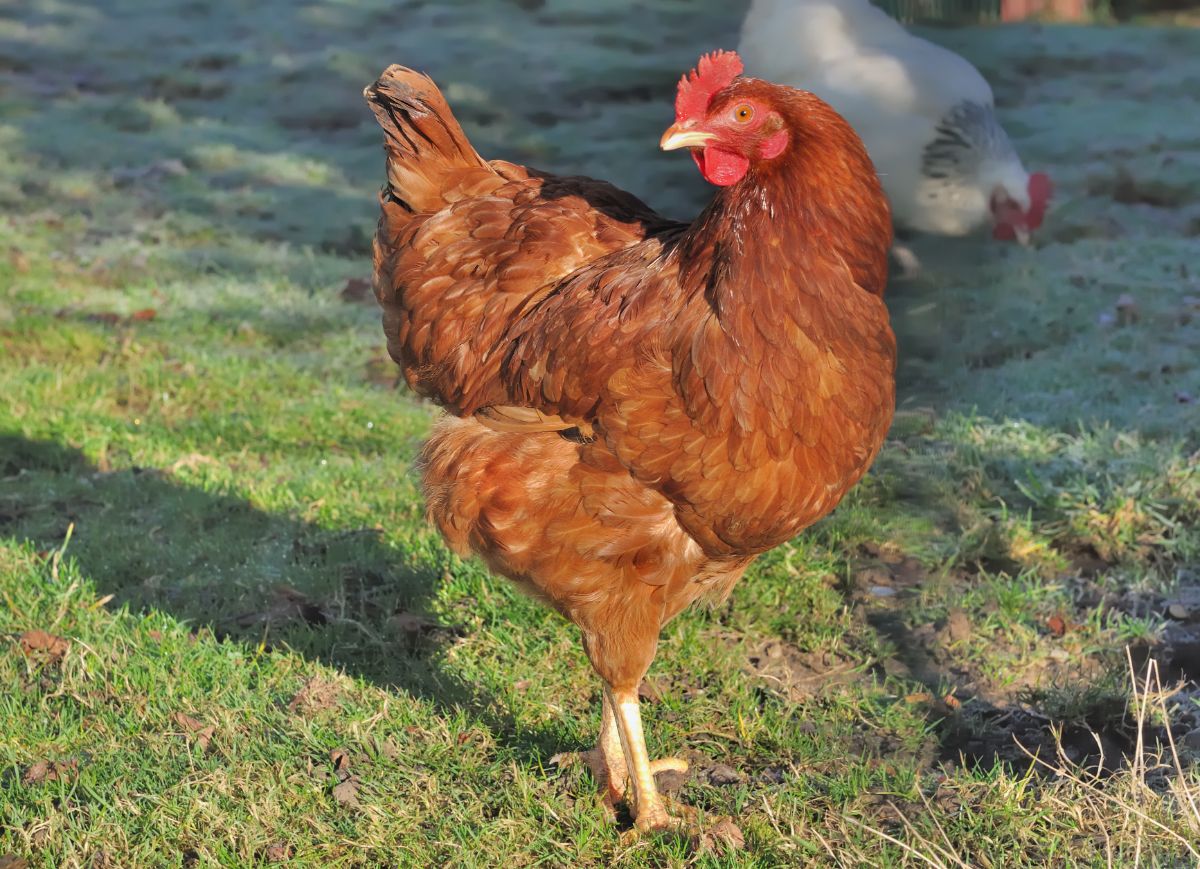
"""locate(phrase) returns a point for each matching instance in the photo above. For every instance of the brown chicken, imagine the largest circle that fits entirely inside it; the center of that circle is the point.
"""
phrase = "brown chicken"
(636, 407)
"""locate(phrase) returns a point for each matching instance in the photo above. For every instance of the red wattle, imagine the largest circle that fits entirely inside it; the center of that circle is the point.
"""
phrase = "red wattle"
(720, 167)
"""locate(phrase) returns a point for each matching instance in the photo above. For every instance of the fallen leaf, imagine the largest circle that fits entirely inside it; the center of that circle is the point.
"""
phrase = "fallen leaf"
(387, 748)
(773, 775)
(18, 260)
(316, 695)
(648, 691)
(671, 781)
(1057, 625)
(357, 290)
(37, 772)
(722, 775)
(44, 645)
(51, 770)
(197, 731)
(723, 836)
(340, 758)
(12, 861)
(921, 697)
(346, 792)
(952, 702)
(522, 685)
(277, 852)
(143, 315)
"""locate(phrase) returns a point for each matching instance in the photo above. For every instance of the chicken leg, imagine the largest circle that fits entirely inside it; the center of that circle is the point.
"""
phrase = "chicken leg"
(609, 762)
(648, 807)
(606, 761)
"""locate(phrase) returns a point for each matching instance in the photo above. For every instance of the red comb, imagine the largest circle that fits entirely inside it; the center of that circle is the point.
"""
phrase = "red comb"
(714, 72)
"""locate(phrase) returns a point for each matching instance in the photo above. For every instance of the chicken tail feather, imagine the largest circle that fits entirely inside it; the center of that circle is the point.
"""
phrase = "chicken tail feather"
(423, 141)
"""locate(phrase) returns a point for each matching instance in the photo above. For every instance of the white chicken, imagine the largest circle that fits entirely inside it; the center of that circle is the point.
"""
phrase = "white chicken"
(926, 115)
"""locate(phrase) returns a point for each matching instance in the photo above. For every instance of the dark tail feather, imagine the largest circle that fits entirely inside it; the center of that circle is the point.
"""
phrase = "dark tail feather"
(423, 141)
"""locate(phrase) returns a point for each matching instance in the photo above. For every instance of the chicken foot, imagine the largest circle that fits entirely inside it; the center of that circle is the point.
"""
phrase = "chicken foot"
(607, 761)
(648, 806)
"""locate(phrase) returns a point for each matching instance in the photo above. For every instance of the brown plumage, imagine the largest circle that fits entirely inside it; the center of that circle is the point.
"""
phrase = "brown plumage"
(637, 407)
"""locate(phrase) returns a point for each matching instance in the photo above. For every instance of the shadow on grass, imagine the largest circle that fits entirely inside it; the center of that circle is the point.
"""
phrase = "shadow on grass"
(345, 598)
(218, 563)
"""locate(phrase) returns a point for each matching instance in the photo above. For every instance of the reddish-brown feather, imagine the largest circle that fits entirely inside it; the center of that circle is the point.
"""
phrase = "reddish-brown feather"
(733, 377)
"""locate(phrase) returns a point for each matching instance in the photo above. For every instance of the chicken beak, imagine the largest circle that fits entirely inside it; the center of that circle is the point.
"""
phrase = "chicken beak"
(677, 137)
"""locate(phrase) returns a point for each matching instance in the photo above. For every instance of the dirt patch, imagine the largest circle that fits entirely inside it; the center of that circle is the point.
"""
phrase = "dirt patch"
(800, 675)
(1070, 704)
(883, 571)
(316, 695)
(1100, 226)
(984, 735)
(286, 605)
(1123, 187)
(1105, 63)
(1177, 650)
(1055, 699)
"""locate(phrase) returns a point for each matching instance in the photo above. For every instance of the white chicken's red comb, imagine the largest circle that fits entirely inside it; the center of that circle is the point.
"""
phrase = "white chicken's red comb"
(714, 72)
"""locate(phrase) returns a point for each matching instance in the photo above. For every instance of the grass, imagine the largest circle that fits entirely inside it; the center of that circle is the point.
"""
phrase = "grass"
(267, 656)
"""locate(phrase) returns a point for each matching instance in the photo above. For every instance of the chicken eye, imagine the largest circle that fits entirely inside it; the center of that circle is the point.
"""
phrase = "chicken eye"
(742, 114)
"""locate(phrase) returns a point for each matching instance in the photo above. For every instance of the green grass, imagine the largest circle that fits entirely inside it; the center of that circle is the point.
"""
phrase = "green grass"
(214, 505)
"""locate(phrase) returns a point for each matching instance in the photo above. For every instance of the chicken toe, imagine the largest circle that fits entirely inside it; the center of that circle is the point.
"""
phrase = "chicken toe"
(668, 764)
